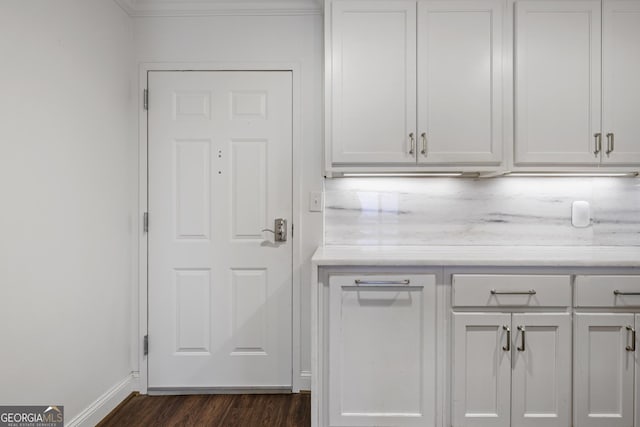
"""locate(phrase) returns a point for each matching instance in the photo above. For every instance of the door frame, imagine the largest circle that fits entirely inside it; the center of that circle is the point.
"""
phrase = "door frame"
(141, 309)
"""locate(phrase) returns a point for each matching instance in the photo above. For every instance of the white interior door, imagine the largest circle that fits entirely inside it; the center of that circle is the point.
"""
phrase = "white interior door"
(219, 172)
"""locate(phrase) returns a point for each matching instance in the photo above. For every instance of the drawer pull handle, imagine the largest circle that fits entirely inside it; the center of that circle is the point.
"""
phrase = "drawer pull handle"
(632, 347)
(508, 346)
(529, 292)
(412, 145)
(617, 292)
(521, 329)
(382, 282)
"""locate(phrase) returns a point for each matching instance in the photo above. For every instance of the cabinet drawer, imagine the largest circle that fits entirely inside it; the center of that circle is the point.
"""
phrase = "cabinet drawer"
(608, 291)
(502, 290)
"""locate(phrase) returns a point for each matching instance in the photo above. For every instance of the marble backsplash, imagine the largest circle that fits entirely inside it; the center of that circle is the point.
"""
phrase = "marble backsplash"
(498, 211)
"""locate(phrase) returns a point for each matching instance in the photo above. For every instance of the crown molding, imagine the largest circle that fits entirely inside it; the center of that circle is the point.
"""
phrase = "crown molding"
(146, 8)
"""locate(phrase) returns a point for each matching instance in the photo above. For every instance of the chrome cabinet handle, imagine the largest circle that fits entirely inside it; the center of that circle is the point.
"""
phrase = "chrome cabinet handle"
(598, 137)
(610, 142)
(632, 347)
(423, 135)
(521, 329)
(412, 146)
(617, 292)
(382, 282)
(508, 346)
(529, 292)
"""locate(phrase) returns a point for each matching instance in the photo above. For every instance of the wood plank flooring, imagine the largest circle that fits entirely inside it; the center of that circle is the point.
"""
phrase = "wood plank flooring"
(228, 410)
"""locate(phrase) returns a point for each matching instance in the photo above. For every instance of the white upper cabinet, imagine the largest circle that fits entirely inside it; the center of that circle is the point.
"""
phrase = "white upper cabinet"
(577, 95)
(372, 85)
(621, 84)
(557, 90)
(460, 82)
(413, 85)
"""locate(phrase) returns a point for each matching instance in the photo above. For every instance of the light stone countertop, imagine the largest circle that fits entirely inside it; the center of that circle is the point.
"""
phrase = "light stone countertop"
(498, 256)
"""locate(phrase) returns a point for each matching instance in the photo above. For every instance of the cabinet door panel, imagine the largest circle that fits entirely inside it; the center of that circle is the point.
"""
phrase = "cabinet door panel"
(621, 90)
(481, 369)
(636, 356)
(381, 353)
(604, 371)
(541, 378)
(557, 63)
(373, 81)
(460, 81)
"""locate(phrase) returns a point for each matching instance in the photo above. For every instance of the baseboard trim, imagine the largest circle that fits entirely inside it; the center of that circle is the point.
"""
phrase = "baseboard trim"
(101, 407)
(169, 391)
(304, 380)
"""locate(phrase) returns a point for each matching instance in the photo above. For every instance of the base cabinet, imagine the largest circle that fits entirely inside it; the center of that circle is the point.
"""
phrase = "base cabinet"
(381, 357)
(512, 369)
(606, 365)
(606, 370)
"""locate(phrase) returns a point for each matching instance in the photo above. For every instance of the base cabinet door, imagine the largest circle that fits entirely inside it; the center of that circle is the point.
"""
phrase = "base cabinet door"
(604, 370)
(541, 375)
(481, 369)
(381, 357)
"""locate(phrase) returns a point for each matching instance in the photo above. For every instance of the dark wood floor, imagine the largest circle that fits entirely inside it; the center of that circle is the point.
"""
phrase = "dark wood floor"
(228, 410)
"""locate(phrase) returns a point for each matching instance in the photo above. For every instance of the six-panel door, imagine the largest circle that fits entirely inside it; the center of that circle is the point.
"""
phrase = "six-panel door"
(219, 173)
(381, 363)
(604, 370)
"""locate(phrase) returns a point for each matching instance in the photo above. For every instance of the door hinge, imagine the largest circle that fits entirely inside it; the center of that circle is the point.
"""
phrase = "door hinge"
(145, 222)
(146, 345)
(145, 99)
(292, 227)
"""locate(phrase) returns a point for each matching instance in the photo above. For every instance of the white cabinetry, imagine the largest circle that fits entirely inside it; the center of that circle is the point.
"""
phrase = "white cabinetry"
(511, 368)
(606, 366)
(372, 88)
(381, 353)
(561, 119)
(413, 85)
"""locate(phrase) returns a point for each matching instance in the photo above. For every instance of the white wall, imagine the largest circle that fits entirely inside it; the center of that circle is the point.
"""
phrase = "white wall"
(258, 39)
(67, 182)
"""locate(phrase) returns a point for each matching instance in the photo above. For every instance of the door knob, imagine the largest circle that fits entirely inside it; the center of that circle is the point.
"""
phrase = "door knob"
(279, 230)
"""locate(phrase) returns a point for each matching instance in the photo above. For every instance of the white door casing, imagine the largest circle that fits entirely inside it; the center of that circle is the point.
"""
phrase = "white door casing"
(219, 172)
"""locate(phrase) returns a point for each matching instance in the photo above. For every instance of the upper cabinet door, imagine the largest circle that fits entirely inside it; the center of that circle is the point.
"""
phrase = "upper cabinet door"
(372, 82)
(557, 91)
(460, 81)
(621, 84)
